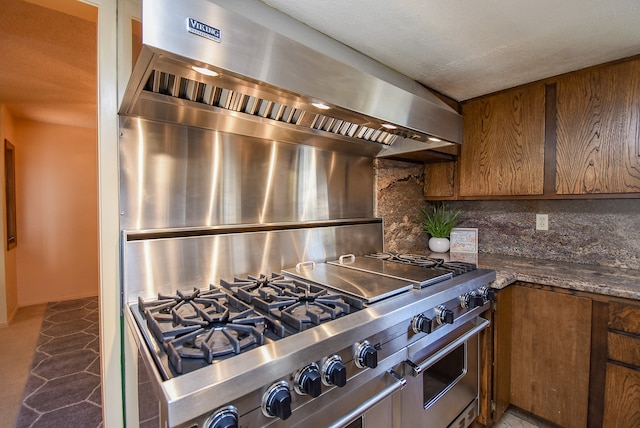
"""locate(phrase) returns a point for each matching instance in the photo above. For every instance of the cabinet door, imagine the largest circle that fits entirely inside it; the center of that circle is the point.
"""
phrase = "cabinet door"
(439, 179)
(550, 355)
(598, 130)
(502, 150)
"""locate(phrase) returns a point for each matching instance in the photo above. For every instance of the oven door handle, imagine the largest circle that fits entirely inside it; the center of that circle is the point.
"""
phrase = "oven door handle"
(417, 369)
(398, 382)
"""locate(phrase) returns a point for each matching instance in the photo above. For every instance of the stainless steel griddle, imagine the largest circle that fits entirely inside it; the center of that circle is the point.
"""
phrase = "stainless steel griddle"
(366, 286)
(419, 276)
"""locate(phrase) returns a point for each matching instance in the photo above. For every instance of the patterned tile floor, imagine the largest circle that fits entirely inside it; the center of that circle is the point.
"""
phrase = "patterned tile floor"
(19, 341)
(63, 388)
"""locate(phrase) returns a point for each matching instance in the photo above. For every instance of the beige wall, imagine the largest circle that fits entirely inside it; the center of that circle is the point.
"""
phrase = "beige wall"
(57, 212)
(8, 281)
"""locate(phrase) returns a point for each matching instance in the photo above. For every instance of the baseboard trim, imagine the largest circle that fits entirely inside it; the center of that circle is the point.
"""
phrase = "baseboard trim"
(13, 315)
(10, 318)
(59, 299)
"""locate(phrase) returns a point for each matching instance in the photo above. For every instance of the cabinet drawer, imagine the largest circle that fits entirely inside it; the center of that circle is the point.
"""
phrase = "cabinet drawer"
(624, 348)
(622, 394)
(624, 318)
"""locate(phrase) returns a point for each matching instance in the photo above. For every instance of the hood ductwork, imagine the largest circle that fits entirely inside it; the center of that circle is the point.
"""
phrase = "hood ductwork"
(205, 66)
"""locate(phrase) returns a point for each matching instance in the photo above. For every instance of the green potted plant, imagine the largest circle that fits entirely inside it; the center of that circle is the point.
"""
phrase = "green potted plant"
(438, 221)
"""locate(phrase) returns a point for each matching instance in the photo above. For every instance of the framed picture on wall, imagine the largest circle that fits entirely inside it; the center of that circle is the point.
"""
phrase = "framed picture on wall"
(464, 240)
(10, 192)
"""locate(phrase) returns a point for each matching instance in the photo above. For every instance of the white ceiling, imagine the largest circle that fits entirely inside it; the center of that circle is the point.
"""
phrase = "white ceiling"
(467, 48)
(48, 55)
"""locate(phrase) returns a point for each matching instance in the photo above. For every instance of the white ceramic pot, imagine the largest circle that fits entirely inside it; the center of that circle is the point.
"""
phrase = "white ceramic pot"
(439, 245)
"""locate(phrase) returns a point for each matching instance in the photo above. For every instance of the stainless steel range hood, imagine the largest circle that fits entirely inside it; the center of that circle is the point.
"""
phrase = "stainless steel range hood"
(267, 85)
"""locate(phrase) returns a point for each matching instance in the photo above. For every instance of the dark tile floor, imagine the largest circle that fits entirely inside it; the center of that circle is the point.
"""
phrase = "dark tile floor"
(63, 388)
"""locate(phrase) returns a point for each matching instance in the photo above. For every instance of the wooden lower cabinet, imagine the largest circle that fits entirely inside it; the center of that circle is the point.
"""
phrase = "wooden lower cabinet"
(502, 351)
(571, 358)
(622, 386)
(495, 357)
(486, 355)
(550, 355)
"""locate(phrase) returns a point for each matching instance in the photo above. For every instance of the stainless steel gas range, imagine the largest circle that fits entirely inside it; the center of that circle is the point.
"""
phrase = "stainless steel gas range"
(371, 341)
(255, 287)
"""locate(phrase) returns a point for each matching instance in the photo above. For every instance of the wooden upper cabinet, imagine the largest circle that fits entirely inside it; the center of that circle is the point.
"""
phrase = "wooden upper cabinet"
(502, 150)
(572, 136)
(439, 179)
(598, 130)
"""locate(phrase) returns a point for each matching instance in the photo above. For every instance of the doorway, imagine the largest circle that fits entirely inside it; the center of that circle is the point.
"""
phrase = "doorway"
(48, 86)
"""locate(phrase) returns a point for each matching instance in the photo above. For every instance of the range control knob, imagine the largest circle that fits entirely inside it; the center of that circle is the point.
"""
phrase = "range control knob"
(365, 355)
(471, 300)
(334, 372)
(465, 300)
(227, 417)
(308, 381)
(444, 315)
(276, 402)
(488, 294)
(421, 324)
(477, 300)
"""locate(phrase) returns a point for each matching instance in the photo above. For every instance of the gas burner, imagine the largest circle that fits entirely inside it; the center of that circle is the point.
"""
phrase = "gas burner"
(314, 310)
(265, 288)
(296, 303)
(414, 259)
(212, 344)
(455, 267)
(423, 261)
(392, 257)
(194, 328)
(206, 324)
(169, 317)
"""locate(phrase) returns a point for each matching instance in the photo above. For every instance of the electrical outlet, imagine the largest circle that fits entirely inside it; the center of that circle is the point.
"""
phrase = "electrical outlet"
(542, 221)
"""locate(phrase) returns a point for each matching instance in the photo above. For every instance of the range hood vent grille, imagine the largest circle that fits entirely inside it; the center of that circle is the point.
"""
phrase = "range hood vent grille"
(203, 93)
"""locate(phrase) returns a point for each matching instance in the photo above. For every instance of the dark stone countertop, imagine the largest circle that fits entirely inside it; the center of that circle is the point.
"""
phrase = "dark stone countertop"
(603, 280)
(607, 281)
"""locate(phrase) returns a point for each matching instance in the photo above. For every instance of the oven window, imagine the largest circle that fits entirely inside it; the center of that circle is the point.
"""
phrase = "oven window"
(443, 375)
(355, 424)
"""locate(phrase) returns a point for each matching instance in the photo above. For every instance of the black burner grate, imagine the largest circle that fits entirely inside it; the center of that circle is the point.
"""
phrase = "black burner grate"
(198, 327)
(209, 344)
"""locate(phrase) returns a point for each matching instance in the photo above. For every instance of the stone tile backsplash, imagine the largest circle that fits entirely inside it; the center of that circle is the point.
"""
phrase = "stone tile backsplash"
(604, 232)
(399, 198)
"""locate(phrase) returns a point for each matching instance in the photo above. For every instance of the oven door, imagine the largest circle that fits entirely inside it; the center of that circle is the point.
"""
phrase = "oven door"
(442, 379)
